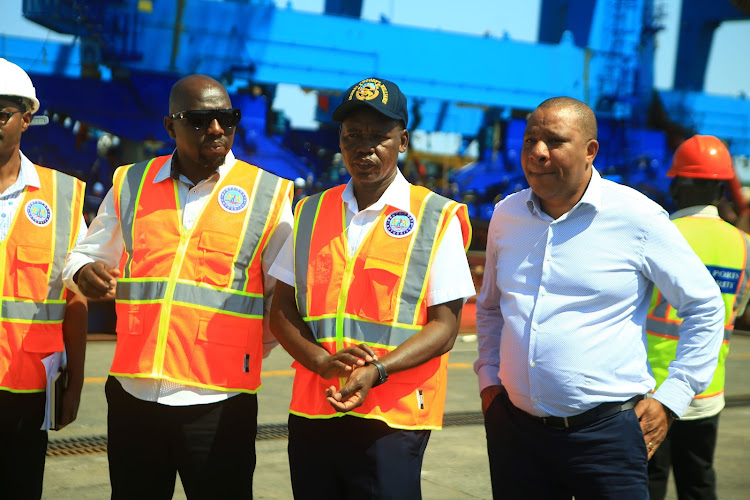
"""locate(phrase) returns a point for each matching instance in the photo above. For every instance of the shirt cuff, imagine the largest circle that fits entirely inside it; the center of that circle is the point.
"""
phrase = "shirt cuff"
(75, 262)
(673, 395)
(487, 376)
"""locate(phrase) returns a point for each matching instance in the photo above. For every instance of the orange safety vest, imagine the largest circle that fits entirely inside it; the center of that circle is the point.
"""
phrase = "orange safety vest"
(376, 296)
(44, 229)
(190, 302)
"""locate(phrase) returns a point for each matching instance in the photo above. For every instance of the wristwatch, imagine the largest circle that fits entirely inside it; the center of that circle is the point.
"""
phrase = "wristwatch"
(382, 374)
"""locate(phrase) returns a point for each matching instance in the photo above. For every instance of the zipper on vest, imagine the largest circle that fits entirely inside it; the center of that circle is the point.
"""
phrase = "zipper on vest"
(341, 308)
(166, 311)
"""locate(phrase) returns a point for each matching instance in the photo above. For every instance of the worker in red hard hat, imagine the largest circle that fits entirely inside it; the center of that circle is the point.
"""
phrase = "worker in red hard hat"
(702, 157)
(701, 166)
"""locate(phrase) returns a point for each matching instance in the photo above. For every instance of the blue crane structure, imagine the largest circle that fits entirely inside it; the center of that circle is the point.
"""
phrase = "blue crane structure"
(116, 74)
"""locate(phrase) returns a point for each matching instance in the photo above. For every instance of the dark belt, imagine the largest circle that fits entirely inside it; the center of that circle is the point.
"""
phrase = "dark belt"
(604, 410)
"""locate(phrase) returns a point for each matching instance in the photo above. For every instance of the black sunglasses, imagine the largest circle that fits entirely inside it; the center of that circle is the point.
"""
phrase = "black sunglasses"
(200, 119)
(5, 116)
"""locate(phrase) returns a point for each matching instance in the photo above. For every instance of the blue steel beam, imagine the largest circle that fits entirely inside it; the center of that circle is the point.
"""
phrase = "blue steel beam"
(699, 20)
(259, 43)
(263, 44)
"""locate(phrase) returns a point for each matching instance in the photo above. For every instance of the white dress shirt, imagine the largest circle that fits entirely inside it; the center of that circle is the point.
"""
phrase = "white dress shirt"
(104, 243)
(450, 277)
(562, 311)
(13, 196)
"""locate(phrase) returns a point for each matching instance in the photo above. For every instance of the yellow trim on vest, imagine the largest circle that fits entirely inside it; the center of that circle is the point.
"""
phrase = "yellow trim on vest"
(22, 391)
(185, 382)
(368, 417)
(221, 311)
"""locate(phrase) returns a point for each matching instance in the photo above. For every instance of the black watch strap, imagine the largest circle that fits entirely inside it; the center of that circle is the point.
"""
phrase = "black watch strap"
(382, 374)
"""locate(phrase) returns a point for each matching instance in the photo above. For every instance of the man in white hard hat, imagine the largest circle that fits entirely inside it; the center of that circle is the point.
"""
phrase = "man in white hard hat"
(40, 221)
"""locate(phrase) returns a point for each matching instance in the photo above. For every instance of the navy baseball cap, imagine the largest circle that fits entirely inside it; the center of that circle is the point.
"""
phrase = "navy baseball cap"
(381, 95)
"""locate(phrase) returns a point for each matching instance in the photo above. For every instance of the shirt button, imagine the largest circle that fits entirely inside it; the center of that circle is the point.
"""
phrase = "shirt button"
(535, 399)
(10, 203)
(532, 364)
(3, 216)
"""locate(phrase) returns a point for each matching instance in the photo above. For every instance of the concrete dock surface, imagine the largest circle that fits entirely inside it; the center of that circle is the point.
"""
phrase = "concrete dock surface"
(455, 465)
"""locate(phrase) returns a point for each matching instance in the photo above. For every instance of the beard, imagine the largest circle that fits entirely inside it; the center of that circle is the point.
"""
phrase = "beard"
(210, 163)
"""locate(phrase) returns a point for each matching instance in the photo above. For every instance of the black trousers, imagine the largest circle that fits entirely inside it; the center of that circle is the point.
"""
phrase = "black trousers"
(606, 459)
(23, 446)
(211, 446)
(354, 458)
(689, 451)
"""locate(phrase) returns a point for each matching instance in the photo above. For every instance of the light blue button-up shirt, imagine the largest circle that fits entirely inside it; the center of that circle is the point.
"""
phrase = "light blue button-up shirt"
(562, 311)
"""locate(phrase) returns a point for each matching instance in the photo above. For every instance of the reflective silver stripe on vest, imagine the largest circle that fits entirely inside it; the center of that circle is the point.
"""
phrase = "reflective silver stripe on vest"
(152, 291)
(416, 269)
(219, 299)
(131, 186)
(141, 291)
(673, 329)
(660, 311)
(32, 311)
(302, 240)
(65, 191)
(257, 221)
(363, 331)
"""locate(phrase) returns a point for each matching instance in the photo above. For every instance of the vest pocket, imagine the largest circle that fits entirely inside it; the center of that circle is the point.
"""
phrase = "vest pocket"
(32, 266)
(215, 330)
(216, 260)
(383, 275)
(220, 356)
(43, 338)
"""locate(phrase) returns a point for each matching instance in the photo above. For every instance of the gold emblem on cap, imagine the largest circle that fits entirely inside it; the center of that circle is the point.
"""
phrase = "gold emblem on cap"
(369, 89)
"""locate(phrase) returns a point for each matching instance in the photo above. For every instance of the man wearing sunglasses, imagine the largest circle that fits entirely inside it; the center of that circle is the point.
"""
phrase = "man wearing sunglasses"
(41, 216)
(183, 243)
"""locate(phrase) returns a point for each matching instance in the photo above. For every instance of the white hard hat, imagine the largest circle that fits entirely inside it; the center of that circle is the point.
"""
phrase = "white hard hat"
(299, 182)
(15, 82)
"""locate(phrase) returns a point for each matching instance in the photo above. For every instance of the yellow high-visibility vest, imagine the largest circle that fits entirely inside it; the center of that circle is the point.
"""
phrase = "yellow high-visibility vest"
(724, 250)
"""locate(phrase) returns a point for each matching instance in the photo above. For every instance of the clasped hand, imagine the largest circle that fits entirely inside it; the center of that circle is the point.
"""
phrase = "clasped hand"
(97, 281)
(350, 362)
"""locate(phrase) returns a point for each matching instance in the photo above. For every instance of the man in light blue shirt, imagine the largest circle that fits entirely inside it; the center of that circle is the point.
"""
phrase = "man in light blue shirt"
(571, 265)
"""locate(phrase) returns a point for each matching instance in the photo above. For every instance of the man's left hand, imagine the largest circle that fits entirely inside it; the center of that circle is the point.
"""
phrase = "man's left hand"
(71, 400)
(355, 391)
(655, 421)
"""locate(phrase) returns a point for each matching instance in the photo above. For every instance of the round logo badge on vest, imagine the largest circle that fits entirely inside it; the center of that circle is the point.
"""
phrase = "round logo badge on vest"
(399, 224)
(38, 212)
(233, 199)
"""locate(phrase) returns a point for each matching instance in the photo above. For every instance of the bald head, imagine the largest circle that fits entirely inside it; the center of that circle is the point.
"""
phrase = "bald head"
(584, 114)
(186, 90)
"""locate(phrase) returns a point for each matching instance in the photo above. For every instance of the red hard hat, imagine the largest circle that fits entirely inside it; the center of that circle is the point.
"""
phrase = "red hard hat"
(702, 157)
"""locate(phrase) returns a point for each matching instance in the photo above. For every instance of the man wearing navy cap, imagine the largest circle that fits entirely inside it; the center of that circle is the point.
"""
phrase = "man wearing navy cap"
(368, 302)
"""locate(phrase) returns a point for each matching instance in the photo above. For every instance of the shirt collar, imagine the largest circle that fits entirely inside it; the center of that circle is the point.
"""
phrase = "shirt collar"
(592, 196)
(697, 211)
(166, 170)
(397, 195)
(27, 174)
